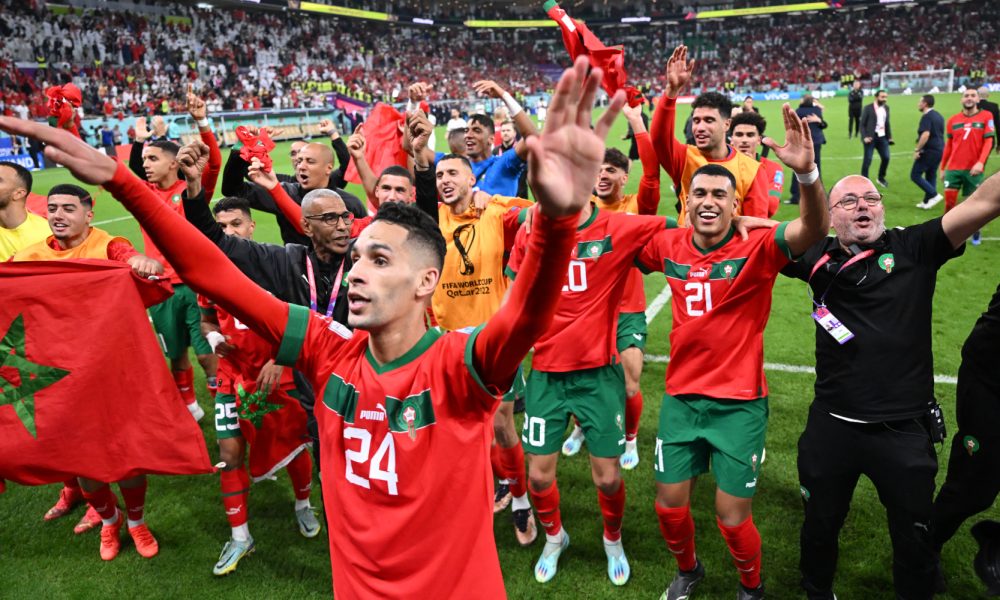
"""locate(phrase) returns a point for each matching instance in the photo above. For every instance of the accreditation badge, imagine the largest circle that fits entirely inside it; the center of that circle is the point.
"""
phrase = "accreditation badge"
(832, 325)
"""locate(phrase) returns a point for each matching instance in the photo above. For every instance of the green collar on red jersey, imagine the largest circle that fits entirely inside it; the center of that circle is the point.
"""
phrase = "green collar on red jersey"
(590, 219)
(419, 348)
(714, 247)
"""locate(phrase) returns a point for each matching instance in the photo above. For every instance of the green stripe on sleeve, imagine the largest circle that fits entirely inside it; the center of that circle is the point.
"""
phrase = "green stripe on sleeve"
(294, 337)
(510, 273)
(470, 346)
(779, 238)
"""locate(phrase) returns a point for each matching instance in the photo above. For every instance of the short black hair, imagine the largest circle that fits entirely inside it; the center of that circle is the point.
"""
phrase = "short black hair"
(23, 175)
(750, 118)
(233, 203)
(484, 121)
(714, 170)
(420, 227)
(616, 158)
(397, 171)
(456, 157)
(166, 145)
(69, 189)
(928, 99)
(715, 100)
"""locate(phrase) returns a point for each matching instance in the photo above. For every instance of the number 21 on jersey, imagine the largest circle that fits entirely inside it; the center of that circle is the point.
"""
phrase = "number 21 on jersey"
(698, 297)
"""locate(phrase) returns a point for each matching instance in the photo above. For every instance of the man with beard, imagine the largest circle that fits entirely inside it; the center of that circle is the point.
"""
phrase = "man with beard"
(876, 133)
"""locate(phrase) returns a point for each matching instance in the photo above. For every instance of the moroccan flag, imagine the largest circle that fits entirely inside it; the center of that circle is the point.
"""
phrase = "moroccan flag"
(578, 40)
(383, 141)
(84, 388)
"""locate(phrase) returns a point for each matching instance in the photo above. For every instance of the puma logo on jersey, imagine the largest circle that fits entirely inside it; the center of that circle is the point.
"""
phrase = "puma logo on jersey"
(701, 273)
(232, 512)
(374, 415)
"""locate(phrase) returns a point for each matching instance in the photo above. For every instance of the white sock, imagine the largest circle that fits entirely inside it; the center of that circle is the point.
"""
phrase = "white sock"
(132, 523)
(555, 539)
(113, 519)
(193, 407)
(520, 503)
(630, 445)
(300, 504)
(613, 548)
(577, 432)
(241, 533)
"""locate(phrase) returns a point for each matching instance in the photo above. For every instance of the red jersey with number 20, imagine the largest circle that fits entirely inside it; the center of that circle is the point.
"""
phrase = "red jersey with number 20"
(721, 303)
(583, 333)
(411, 439)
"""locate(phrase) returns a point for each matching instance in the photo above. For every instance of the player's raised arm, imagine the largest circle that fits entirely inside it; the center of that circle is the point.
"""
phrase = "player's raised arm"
(813, 223)
(198, 111)
(669, 150)
(522, 122)
(563, 165)
(195, 258)
(649, 185)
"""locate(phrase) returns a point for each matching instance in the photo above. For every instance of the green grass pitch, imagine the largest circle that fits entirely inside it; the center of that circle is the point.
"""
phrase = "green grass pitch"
(45, 560)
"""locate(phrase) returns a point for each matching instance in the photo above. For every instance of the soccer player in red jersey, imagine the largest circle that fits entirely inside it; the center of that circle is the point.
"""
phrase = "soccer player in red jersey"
(631, 340)
(177, 319)
(748, 129)
(405, 413)
(969, 135)
(715, 407)
(710, 124)
(257, 405)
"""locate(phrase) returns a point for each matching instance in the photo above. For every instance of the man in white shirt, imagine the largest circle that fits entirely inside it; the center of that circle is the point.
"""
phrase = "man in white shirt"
(876, 133)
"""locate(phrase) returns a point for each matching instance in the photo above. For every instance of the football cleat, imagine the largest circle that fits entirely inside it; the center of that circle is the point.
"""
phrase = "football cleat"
(308, 523)
(525, 529)
(145, 543)
(684, 583)
(630, 458)
(548, 562)
(618, 569)
(232, 552)
(573, 443)
(68, 498)
(757, 593)
(110, 543)
(89, 521)
(501, 497)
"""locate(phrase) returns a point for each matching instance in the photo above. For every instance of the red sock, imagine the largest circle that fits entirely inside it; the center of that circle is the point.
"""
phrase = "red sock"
(300, 471)
(185, 384)
(677, 528)
(744, 544)
(103, 501)
(512, 461)
(950, 199)
(496, 462)
(612, 509)
(134, 499)
(547, 508)
(633, 411)
(235, 486)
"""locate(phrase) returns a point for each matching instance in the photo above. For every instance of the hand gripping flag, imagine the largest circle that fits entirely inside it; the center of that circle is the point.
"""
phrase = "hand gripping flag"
(256, 146)
(383, 141)
(84, 388)
(581, 41)
(62, 105)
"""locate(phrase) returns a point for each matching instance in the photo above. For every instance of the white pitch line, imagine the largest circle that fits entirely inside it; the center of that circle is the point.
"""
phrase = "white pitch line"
(115, 220)
(826, 158)
(658, 303)
(659, 358)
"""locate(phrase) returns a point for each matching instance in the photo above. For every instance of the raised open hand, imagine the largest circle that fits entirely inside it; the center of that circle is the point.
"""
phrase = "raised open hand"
(62, 147)
(679, 70)
(797, 152)
(565, 159)
(142, 132)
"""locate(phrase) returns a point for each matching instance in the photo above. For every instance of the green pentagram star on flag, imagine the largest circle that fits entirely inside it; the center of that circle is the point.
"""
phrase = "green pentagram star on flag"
(20, 378)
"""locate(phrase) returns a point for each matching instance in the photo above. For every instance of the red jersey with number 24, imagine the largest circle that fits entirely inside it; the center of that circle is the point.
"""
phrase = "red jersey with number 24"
(583, 333)
(721, 303)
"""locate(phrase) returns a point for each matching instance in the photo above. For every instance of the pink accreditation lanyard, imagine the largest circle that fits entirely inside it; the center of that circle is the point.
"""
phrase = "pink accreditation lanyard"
(825, 259)
(335, 289)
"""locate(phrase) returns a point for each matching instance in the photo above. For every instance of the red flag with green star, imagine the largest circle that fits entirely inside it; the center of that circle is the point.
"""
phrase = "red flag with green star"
(84, 388)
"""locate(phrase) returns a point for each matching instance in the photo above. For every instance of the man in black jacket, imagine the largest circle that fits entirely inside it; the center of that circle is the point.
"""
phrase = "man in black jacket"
(876, 133)
(854, 100)
(313, 171)
(812, 114)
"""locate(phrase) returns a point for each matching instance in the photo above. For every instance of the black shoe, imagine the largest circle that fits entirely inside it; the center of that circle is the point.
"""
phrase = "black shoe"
(745, 593)
(684, 583)
(883, 183)
(502, 497)
(940, 583)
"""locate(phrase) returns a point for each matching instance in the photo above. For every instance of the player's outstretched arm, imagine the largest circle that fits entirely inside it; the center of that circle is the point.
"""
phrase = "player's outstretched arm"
(195, 258)
(974, 213)
(198, 111)
(669, 150)
(563, 165)
(813, 223)
(522, 122)
(649, 184)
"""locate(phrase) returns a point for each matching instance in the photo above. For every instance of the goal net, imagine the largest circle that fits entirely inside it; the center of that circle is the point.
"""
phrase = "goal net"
(918, 82)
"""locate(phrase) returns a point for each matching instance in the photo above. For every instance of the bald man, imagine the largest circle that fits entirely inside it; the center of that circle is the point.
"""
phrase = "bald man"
(874, 412)
(313, 170)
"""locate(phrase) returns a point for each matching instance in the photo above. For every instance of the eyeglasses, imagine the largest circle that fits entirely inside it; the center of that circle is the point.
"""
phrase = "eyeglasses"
(333, 217)
(850, 201)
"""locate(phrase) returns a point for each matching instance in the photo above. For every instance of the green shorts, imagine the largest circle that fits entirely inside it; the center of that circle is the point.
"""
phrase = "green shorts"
(632, 331)
(178, 324)
(517, 389)
(227, 422)
(595, 396)
(728, 433)
(962, 181)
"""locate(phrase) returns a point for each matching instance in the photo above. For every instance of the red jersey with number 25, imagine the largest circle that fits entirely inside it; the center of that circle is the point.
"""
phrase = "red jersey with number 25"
(583, 333)
(410, 441)
(721, 303)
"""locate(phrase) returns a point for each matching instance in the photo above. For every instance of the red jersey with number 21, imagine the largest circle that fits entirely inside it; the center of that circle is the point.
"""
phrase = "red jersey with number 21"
(407, 443)
(721, 303)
